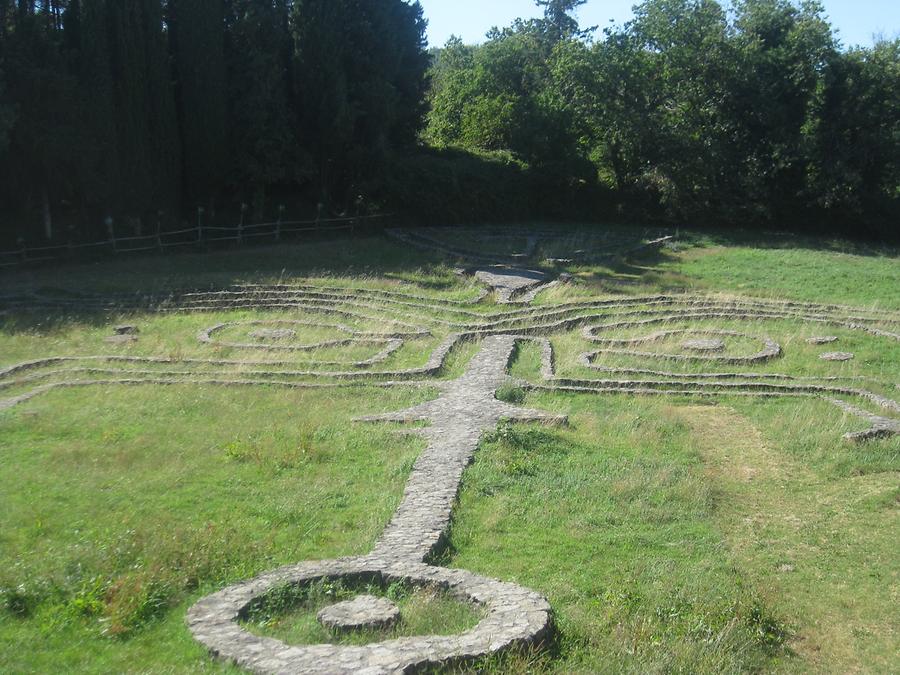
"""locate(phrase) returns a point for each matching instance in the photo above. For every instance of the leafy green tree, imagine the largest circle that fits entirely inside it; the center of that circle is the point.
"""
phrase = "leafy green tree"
(613, 91)
(452, 88)
(559, 23)
(689, 140)
(853, 137)
(783, 49)
(498, 97)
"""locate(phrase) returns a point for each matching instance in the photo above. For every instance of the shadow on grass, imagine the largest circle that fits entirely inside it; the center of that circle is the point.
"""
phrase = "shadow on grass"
(786, 240)
(139, 282)
(147, 273)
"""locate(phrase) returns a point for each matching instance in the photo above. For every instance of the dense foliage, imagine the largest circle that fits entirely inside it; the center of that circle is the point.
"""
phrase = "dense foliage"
(689, 113)
(127, 108)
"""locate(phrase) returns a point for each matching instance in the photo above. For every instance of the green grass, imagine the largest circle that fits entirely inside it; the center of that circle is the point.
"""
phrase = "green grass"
(375, 261)
(686, 538)
(615, 524)
(669, 534)
(151, 497)
(866, 280)
(288, 613)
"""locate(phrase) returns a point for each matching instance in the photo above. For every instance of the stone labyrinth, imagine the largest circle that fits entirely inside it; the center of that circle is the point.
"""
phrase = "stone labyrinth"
(332, 336)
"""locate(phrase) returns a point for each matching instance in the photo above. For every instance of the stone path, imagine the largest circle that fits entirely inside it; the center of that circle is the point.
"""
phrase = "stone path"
(513, 615)
(508, 282)
(458, 418)
(465, 409)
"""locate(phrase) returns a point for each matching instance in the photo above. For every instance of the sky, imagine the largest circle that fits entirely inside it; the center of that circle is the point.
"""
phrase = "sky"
(855, 20)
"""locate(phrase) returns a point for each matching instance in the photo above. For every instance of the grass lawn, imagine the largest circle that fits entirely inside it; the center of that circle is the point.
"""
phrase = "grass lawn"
(867, 279)
(670, 534)
(691, 538)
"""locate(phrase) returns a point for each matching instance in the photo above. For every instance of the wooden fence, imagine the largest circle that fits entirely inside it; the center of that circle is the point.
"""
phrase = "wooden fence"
(199, 237)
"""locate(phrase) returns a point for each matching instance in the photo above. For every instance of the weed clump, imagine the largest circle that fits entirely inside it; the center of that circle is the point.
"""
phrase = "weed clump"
(511, 393)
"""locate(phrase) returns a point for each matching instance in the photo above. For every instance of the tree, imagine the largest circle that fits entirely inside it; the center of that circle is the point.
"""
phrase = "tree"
(783, 50)
(654, 91)
(87, 34)
(852, 138)
(613, 91)
(361, 73)
(47, 139)
(197, 41)
(7, 117)
(558, 23)
(261, 134)
(499, 97)
(451, 88)
(145, 114)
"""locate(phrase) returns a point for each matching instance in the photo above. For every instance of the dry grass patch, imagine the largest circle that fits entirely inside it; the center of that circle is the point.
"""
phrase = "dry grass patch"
(821, 545)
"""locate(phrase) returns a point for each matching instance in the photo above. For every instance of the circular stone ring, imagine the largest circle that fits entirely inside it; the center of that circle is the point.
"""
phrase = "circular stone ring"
(512, 616)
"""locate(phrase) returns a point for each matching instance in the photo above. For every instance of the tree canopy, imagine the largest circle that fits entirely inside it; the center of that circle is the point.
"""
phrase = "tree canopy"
(131, 107)
(689, 113)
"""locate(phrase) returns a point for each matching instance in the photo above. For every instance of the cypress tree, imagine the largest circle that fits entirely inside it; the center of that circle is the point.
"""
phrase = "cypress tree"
(361, 75)
(7, 117)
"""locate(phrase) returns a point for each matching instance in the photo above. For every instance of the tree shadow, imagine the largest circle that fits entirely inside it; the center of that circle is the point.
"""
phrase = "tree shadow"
(766, 239)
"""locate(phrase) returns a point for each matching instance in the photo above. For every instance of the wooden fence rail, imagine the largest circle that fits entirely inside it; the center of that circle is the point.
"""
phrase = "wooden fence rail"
(198, 236)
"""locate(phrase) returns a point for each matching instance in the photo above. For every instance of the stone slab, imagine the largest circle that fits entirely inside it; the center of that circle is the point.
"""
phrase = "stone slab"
(704, 345)
(363, 611)
(836, 356)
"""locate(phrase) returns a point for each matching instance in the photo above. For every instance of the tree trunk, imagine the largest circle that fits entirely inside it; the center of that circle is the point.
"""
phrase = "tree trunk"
(48, 218)
(615, 158)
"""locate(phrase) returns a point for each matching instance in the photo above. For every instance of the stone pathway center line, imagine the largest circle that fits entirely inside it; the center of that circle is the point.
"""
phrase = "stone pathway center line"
(466, 408)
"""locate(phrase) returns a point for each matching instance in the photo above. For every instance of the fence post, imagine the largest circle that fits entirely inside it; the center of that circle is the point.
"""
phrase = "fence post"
(22, 250)
(200, 212)
(360, 203)
(319, 208)
(159, 217)
(278, 223)
(240, 227)
(111, 230)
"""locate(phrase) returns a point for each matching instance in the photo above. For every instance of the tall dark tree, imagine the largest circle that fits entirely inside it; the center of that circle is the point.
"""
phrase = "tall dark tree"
(197, 40)
(559, 23)
(7, 116)
(46, 141)
(146, 120)
(261, 135)
(852, 139)
(361, 78)
(87, 31)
